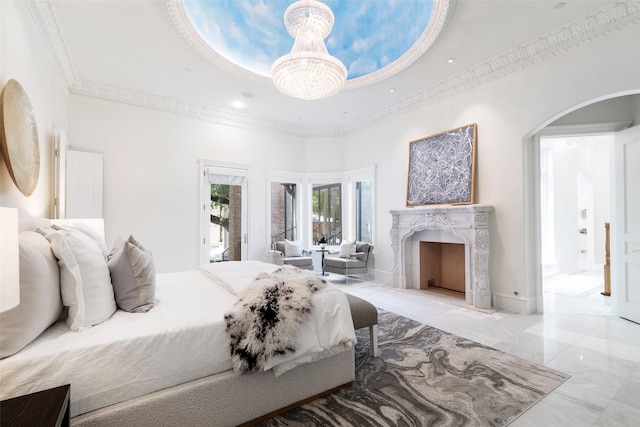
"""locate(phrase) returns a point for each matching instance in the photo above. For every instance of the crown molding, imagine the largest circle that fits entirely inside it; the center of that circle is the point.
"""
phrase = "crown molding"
(46, 19)
(592, 27)
(191, 110)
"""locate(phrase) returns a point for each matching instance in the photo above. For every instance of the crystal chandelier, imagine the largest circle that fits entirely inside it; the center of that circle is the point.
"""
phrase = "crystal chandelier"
(309, 71)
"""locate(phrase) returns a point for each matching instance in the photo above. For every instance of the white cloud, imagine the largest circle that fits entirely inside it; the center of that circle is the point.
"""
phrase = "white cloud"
(361, 45)
(362, 66)
(236, 34)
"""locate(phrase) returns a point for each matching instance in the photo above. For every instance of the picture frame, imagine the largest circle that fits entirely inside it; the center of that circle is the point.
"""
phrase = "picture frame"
(442, 168)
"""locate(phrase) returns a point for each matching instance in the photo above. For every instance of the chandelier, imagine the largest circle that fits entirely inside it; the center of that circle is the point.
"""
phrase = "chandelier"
(309, 71)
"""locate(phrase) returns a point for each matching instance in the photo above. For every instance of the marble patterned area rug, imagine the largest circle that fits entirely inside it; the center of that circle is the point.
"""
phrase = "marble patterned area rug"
(428, 377)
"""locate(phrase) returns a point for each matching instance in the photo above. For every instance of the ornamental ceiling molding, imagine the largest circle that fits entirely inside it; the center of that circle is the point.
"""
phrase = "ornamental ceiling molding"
(187, 109)
(177, 14)
(440, 15)
(594, 26)
(46, 19)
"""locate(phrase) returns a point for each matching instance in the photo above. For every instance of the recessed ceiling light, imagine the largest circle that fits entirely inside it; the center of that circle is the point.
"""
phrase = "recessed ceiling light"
(392, 90)
(559, 5)
(238, 104)
(451, 60)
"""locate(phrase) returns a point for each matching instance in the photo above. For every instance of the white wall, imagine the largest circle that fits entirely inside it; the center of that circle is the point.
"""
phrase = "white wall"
(24, 57)
(507, 111)
(151, 181)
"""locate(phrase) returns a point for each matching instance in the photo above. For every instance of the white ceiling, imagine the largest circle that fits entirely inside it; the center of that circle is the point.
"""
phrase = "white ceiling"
(131, 51)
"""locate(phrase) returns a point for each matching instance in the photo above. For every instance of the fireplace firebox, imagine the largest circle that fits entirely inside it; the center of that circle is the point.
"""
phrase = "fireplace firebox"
(442, 268)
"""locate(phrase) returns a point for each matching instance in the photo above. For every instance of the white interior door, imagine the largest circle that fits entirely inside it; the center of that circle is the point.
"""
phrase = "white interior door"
(625, 226)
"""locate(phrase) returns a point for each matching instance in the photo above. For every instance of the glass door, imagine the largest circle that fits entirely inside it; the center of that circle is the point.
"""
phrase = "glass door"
(326, 201)
(224, 214)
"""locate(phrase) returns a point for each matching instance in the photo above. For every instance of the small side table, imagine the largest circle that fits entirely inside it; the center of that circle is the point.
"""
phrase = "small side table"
(323, 251)
(43, 409)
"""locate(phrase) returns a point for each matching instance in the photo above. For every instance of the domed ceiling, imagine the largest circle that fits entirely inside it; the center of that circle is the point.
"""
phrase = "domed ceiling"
(373, 39)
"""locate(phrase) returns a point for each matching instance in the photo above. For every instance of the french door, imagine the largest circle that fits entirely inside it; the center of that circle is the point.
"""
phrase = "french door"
(224, 212)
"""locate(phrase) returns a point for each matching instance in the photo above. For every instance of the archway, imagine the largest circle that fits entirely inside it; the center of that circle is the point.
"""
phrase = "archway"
(532, 193)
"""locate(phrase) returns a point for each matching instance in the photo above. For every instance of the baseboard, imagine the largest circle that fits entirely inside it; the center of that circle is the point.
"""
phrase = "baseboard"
(514, 304)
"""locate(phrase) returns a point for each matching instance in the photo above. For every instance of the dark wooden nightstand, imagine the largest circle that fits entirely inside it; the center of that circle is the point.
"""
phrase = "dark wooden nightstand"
(43, 409)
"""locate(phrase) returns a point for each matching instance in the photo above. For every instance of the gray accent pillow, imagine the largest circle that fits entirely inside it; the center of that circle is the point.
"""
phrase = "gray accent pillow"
(40, 301)
(133, 276)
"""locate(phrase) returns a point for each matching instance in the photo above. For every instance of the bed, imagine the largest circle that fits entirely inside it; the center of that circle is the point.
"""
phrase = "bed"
(171, 365)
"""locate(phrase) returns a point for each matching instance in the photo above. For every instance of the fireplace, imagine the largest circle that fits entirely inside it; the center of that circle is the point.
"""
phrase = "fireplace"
(417, 239)
(442, 268)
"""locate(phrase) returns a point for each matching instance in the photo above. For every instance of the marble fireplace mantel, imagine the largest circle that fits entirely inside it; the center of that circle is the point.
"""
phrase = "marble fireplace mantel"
(470, 223)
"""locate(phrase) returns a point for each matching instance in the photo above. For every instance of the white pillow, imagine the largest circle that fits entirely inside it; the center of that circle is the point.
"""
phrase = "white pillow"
(133, 276)
(347, 248)
(84, 279)
(86, 230)
(40, 301)
(292, 248)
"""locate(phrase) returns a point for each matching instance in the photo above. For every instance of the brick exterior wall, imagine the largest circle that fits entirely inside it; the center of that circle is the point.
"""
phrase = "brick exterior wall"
(235, 223)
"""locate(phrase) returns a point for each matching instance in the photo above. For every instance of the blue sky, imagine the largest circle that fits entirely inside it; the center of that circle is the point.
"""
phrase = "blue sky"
(367, 34)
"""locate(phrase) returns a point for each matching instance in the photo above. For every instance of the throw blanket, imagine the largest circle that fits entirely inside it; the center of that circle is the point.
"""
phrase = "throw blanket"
(264, 322)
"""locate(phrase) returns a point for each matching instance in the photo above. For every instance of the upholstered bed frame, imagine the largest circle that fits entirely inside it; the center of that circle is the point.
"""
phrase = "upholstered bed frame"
(227, 399)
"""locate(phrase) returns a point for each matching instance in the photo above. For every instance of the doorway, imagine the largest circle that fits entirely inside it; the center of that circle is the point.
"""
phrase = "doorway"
(574, 208)
(224, 213)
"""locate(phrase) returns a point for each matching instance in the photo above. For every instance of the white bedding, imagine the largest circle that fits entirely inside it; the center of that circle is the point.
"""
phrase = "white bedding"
(236, 276)
(181, 339)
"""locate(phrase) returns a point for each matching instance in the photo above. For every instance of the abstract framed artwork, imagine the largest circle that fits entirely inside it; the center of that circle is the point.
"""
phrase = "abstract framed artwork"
(442, 168)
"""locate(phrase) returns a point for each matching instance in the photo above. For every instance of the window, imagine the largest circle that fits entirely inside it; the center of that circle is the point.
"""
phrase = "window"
(363, 211)
(326, 213)
(333, 205)
(285, 192)
(284, 216)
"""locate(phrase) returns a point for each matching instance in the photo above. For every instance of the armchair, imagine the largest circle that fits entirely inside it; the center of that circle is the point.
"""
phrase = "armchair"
(292, 253)
(355, 263)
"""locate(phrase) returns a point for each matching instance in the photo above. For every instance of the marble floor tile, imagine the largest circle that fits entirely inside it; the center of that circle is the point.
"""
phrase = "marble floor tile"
(618, 330)
(536, 348)
(629, 392)
(616, 349)
(580, 358)
(559, 334)
(619, 415)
